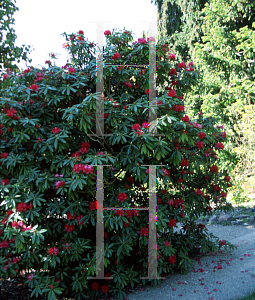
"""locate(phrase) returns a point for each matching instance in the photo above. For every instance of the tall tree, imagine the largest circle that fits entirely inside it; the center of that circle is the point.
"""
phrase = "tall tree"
(10, 54)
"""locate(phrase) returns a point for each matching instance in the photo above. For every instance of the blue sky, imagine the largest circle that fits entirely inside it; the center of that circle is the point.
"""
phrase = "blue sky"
(41, 23)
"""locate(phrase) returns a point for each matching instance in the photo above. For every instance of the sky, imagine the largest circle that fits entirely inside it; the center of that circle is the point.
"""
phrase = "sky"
(40, 23)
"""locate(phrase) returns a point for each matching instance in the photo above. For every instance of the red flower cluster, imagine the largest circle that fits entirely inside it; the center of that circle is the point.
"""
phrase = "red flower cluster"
(227, 178)
(185, 119)
(70, 217)
(199, 145)
(66, 246)
(148, 91)
(116, 56)
(144, 231)
(184, 163)
(53, 251)
(175, 203)
(216, 188)
(4, 155)
(56, 130)
(172, 93)
(214, 169)
(136, 126)
(21, 207)
(172, 223)
(5, 181)
(172, 259)
(107, 32)
(179, 108)
(122, 197)
(202, 135)
(222, 242)
(223, 194)
(128, 84)
(76, 154)
(199, 192)
(84, 168)
(172, 72)
(79, 220)
(84, 147)
(69, 228)
(4, 244)
(167, 244)
(219, 146)
(34, 87)
(92, 205)
(71, 70)
(166, 172)
(172, 56)
(181, 65)
(59, 184)
(223, 135)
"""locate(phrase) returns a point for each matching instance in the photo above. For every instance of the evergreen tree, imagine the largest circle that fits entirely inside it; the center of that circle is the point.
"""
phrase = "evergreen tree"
(9, 53)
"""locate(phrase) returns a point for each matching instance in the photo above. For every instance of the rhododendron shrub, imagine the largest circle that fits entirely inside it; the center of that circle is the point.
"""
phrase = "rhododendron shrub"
(48, 171)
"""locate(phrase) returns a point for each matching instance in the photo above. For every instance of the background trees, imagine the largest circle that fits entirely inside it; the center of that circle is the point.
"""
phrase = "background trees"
(219, 36)
(9, 52)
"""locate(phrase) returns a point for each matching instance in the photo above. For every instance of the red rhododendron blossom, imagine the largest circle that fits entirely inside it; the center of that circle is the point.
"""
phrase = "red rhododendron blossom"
(199, 145)
(227, 178)
(146, 125)
(172, 93)
(126, 224)
(56, 130)
(59, 184)
(214, 169)
(202, 135)
(79, 220)
(26, 71)
(219, 146)
(30, 206)
(147, 171)
(172, 223)
(4, 221)
(116, 56)
(107, 32)
(69, 228)
(4, 155)
(30, 276)
(223, 135)
(181, 65)
(76, 154)
(148, 91)
(172, 56)
(34, 87)
(71, 70)
(223, 194)
(4, 244)
(172, 72)
(104, 288)
(167, 244)
(92, 205)
(116, 104)
(81, 32)
(9, 212)
(122, 197)
(53, 251)
(70, 217)
(166, 172)
(222, 242)
(21, 207)
(144, 231)
(66, 246)
(142, 41)
(185, 119)
(172, 259)
(184, 163)
(15, 224)
(136, 126)
(217, 188)
(95, 286)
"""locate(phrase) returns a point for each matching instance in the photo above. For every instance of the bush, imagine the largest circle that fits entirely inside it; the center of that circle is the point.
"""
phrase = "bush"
(49, 164)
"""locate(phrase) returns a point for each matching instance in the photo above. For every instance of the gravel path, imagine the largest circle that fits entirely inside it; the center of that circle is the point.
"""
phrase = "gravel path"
(235, 280)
